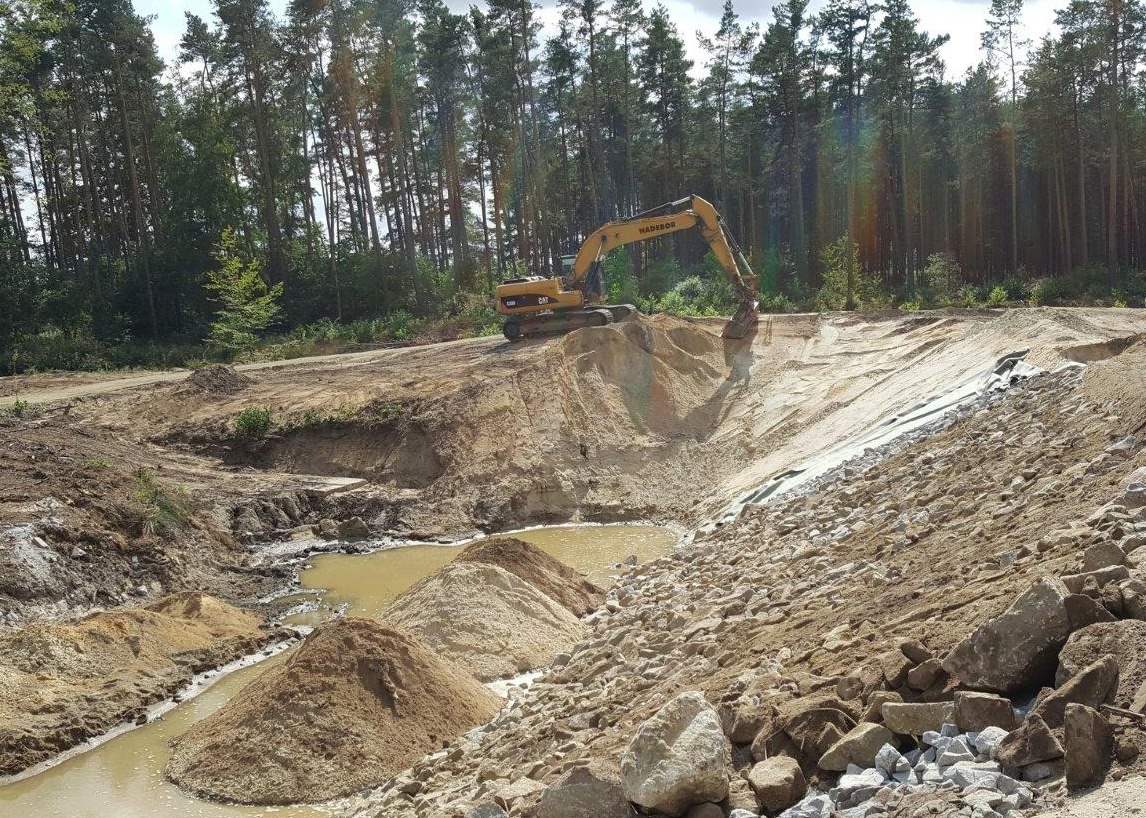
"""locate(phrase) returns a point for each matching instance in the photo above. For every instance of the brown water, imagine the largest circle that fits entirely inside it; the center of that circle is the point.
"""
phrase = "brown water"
(123, 778)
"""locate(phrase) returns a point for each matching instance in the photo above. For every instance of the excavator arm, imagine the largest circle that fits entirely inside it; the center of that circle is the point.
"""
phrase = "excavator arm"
(585, 284)
(683, 214)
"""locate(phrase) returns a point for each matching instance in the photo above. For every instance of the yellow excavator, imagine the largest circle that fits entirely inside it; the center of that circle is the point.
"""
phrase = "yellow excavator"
(536, 306)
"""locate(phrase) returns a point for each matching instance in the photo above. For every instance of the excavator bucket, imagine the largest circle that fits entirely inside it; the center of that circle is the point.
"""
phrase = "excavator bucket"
(743, 320)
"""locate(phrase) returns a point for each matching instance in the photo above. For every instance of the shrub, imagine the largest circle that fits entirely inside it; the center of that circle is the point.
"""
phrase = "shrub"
(997, 298)
(911, 306)
(248, 305)
(968, 296)
(255, 421)
(942, 274)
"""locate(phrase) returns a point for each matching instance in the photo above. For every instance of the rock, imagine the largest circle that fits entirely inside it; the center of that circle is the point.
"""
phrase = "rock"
(956, 751)
(1125, 640)
(1042, 770)
(1131, 543)
(1089, 742)
(917, 719)
(875, 703)
(742, 813)
(1135, 496)
(1076, 583)
(895, 667)
(778, 783)
(976, 711)
(708, 810)
(677, 758)
(1031, 743)
(353, 529)
(849, 687)
(1082, 610)
(811, 725)
(1017, 648)
(327, 529)
(487, 810)
(924, 675)
(1102, 555)
(915, 651)
(987, 739)
(889, 762)
(1091, 687)
(858, 747)
(586, 792)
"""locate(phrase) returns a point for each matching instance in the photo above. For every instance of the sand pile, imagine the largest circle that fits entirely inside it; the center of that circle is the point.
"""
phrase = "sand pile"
(487, 619)
(215, 379)
(552, 577)
(62, 683)
(356, 704)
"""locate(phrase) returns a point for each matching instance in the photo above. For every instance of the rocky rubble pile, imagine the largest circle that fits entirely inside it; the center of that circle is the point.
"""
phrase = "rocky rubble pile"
(835, 637)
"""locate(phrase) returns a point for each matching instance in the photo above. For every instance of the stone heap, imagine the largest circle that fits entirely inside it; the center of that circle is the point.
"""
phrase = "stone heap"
(939, 632)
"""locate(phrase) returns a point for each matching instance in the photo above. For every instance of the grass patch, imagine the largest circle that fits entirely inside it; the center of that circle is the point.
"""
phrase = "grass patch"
(255, 421)
(162, 511)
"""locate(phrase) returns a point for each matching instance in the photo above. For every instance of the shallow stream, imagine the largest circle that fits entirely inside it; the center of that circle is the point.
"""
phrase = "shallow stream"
(124, 776)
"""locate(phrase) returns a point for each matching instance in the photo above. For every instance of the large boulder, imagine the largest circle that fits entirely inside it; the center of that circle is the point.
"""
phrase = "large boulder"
(1124, 640)
(976, 711)
(1016, 649)
(858, 747)
(586, 792)
(915, 719)
(1031, 743)
(1092, 687)
(1088, 742)
(677, 758)
(778, 783)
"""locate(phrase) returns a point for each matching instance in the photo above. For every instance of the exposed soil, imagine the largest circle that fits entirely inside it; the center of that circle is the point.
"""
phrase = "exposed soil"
(552, 577)
(357, 703)
(114, 492)
(486, 619)
(63, 683)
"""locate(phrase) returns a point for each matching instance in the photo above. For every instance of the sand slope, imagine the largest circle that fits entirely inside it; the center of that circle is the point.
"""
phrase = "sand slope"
(357, 703)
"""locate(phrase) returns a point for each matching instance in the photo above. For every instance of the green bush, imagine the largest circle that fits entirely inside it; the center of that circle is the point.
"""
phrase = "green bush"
(997, 297)
(942, 275)
(255, 421)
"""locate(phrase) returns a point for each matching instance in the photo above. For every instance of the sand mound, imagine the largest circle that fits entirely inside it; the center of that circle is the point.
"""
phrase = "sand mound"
(356, 704)
(552, 577)
(215, 379)
(487, 619)
(61, 683)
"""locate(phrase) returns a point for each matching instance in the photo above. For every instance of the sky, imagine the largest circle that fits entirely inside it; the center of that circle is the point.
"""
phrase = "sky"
(963, 20)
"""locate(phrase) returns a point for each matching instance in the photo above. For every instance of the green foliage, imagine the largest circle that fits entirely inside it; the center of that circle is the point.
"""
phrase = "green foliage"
(997, 297)
(19, 408)
(248, 305)
(619, 281)
(942, 275)
(163, 512)
(94, 464)
(254, 421)
(911, 306)
(869, 292)
(968, 296)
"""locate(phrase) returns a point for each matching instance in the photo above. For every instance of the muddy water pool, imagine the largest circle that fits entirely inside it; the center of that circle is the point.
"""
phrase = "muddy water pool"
(124, 776)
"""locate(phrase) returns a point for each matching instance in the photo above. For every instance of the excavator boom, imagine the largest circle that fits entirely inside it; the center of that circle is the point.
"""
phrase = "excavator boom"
(536, 305)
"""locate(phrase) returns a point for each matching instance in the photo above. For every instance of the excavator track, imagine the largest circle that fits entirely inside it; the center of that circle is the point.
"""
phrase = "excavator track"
(559, 323)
